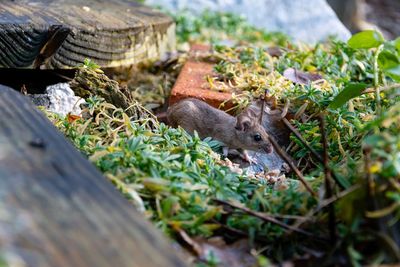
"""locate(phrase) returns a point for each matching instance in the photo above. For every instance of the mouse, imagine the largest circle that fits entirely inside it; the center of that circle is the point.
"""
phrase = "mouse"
(243, 132)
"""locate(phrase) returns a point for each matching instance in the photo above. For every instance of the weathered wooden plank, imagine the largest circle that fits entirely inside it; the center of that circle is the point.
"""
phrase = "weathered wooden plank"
(56, 209)
(62, 33)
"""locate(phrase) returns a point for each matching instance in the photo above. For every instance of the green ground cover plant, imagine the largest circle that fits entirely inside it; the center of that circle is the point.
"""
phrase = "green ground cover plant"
(181, 183)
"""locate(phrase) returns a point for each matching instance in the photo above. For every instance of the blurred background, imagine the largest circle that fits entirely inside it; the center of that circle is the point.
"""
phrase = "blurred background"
(359, 15)
(304, 20)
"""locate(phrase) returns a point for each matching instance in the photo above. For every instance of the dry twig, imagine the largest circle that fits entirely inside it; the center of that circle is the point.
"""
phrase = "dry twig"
(263, 106)
(328, 186)
(289, 161)
(383, 88)
(326, 203)
(313, 152)
(265, 217)
(302, 140)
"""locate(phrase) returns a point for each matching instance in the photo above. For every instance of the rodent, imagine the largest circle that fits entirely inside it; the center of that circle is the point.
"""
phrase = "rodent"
(243, 132)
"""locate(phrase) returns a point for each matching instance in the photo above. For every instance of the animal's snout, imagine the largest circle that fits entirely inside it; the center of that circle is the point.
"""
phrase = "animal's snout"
(269, 148)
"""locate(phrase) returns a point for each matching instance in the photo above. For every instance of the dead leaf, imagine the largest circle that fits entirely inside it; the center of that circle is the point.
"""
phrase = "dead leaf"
(71, 118)
(24, 91)
(227, 255)
(383, 212)
(233, 255)
(274, 51)
(300, 77)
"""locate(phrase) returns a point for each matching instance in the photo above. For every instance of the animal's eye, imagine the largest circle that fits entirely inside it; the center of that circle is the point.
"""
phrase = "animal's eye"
(257, 137)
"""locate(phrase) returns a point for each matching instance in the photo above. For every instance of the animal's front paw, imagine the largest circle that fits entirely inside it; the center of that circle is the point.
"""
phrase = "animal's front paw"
(247, 158)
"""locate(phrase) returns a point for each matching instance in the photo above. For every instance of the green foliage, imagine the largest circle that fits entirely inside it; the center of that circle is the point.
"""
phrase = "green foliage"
(389, 63)
(3, 262)
(387, 57)
(397, 44)
(176, 175)
(218, 26)
(352, 129)
(88, 64)
(335, 61)
(350, 91)
(366, 39)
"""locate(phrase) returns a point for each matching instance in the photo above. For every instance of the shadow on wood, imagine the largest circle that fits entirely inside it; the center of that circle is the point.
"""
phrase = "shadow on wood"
(56, 209)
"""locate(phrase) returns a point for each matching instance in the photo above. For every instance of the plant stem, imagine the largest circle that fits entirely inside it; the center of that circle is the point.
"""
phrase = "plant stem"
(313, 152)
(328, 186)
(376, 81)
(263, 106)
(325, 203)
(382, 88)
(289, 161)
(367, 169)
(264, 217)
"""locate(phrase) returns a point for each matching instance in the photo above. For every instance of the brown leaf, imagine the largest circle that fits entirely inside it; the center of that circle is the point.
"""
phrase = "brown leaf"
(232, 255)
(300, 77)
(72, 118)
(24, 91)
(274, 51)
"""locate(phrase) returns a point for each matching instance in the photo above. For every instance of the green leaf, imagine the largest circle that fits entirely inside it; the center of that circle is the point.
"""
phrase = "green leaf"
(355, 256)
(343, 181)
(390, 64)
(366, 39)
(394, 73)
(397, 44)
(350, 91)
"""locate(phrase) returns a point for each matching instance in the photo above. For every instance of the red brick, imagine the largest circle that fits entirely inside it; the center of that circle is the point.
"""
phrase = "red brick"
(192, 81)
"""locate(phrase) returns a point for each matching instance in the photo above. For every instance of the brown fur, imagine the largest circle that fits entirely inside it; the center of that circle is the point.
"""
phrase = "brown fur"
(238, 133)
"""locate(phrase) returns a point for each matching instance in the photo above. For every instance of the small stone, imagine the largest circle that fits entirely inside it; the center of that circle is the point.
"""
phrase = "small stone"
(285, 167)
(281, 185)
(274, 173)
(59, 98)
(63, 99)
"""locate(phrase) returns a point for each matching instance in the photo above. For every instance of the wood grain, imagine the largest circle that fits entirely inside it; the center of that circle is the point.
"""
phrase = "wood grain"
(62, 33)
(56, 209)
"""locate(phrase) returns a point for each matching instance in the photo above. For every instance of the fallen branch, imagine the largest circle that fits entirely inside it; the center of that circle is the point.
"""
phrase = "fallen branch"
(313, 152)
(326, 203)
(302, 140)
(389, 243)
(289, 161)
(383, 88)
(238, 232)
(285, 109)
(265, 218)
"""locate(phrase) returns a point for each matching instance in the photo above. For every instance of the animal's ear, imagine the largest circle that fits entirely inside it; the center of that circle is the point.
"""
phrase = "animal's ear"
(243, 123)
(253, 111)
(256, 110)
